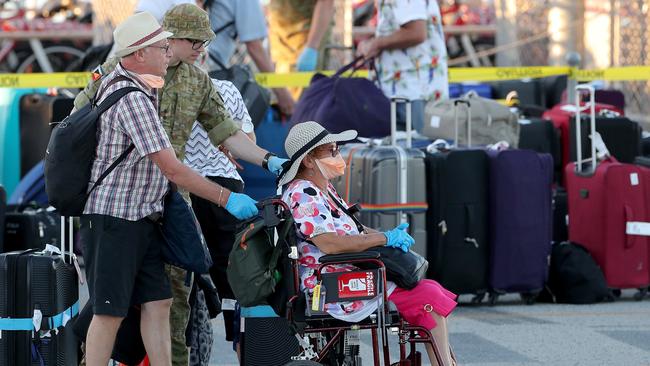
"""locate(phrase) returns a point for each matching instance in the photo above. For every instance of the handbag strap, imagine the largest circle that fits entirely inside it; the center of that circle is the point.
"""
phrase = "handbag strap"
(352, 65)
(216, 32)
(347, 212)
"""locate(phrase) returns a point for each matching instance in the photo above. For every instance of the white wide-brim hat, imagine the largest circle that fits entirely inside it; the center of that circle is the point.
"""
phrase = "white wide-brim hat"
(303, 138)
(136, 32)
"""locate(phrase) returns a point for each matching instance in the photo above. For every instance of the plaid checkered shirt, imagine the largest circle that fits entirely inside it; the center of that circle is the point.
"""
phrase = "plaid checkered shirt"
(136, 187)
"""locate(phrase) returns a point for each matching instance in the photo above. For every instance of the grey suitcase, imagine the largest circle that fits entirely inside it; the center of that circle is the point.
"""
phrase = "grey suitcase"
(388, 182)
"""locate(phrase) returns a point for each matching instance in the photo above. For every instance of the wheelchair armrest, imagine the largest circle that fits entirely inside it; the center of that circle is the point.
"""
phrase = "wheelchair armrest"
(346, 257)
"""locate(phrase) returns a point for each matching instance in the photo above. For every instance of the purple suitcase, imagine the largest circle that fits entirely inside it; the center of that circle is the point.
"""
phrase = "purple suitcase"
(521, 219)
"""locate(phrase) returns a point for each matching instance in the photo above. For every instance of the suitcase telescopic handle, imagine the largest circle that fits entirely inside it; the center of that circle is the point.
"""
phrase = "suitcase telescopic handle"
(70, 232)
(393, 120)
(592, 122)
(457, 104)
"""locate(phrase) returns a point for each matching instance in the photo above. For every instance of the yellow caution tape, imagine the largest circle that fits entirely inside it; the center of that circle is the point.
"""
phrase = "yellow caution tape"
(626, 73)
(52, 80)
(462, 74)
(302, 79)
(296, 79)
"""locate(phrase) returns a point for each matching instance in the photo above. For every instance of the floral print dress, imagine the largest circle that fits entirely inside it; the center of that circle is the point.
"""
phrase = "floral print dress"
(418, 72)
(315, 213)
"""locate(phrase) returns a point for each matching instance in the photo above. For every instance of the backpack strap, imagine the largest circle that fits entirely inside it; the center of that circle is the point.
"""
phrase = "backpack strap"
(111, 168)
(101, 108)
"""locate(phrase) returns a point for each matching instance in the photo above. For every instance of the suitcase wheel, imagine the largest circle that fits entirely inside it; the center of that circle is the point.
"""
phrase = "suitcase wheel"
(529, 298)
(641, 294)
(492, 299)
(478, 298)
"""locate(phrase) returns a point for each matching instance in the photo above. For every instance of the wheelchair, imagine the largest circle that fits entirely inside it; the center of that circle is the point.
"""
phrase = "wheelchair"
(306, 335)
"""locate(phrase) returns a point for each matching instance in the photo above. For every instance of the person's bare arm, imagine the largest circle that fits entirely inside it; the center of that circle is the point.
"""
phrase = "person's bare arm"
(332, 243)
(263, 62)
(241, 147)
(320, 21)
(252, 136)
(188, 179)
(409, 35)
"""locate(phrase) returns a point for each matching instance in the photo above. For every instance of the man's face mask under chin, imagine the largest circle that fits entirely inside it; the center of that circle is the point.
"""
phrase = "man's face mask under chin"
(153, 81)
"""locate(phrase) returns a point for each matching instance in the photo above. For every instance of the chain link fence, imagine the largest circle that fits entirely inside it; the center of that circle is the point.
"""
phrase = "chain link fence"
(631, 47)
(107, 15)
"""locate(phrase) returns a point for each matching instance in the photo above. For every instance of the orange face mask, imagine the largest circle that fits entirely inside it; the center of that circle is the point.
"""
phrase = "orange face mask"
(331, 167)
(153, 81)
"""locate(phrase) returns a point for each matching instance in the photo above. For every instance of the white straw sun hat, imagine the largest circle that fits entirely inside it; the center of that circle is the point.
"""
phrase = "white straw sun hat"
(303, 138)
(136, 32)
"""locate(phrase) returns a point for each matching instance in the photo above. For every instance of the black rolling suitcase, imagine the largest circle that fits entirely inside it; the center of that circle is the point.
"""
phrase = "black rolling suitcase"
(560, 215)
(457, 196)
(529, 92)
(621, 135)
(39, 295)
(540, 135)
(3, 208)
(30, 228)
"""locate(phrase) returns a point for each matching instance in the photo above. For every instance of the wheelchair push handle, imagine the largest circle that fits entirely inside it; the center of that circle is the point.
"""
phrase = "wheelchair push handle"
(272, 202)
(273, 210)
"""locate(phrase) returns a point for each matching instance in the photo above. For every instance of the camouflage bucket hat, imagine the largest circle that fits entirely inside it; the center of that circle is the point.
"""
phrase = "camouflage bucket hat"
(188, 21)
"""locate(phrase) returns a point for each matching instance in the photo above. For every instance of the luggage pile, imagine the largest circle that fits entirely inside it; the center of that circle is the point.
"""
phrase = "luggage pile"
(486, 217)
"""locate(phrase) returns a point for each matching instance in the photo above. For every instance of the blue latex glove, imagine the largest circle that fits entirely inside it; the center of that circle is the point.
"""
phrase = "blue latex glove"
(398, 238)
(241, 206)
(275, 164)
(307, 60)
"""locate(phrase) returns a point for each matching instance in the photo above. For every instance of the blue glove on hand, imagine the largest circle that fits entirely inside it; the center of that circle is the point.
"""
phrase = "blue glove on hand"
(275, 164)
(399, 238)
(307, 60)
(241, 206)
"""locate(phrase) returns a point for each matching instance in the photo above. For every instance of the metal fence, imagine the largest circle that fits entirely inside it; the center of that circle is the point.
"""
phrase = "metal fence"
(631, 47)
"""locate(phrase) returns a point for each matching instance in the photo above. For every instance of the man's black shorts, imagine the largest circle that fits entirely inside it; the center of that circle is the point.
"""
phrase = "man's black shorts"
(124, 264)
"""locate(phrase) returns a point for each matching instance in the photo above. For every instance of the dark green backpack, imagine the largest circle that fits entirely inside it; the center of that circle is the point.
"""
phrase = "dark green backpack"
(255, 263)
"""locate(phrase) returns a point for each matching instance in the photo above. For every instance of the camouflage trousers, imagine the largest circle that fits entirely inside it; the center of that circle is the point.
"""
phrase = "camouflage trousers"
(179, 315)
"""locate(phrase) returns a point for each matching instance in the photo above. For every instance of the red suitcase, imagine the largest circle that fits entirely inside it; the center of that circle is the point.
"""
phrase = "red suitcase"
(607, 213)
(560, 115)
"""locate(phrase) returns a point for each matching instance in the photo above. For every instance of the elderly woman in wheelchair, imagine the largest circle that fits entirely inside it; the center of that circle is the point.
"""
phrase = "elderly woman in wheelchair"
(331, 242)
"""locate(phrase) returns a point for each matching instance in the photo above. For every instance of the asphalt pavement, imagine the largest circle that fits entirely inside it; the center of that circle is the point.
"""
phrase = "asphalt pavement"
(511, 333)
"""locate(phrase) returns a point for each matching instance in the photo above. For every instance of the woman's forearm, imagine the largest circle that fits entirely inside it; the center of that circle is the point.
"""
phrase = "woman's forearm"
(332, 243)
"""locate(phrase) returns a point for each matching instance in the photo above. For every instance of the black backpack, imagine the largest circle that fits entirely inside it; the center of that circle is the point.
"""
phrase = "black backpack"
(71, 151)
(574, 276)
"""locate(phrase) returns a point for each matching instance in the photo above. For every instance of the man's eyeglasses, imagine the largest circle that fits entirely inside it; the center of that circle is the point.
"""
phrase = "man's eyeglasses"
(197, 44)
(165, 48)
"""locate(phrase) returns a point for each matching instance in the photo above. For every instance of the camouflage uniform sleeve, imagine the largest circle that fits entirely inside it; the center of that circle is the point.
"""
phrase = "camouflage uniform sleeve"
(214, 117)
(89, 92)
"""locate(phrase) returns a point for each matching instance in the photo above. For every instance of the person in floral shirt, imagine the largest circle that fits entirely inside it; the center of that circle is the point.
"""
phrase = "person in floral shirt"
(411, 54)
(324, 228)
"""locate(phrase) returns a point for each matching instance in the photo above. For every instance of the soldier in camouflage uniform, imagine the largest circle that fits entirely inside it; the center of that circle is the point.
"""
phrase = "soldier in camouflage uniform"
(188, 95)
